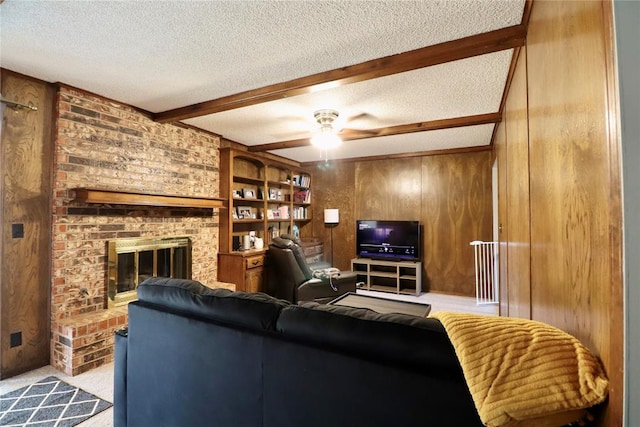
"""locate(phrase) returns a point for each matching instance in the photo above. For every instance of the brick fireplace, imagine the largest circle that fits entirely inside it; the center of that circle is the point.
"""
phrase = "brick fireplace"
(103, 144)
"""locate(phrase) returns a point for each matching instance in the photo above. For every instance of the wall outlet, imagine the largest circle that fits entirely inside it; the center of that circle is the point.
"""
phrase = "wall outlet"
(15, 339)
(17, 231)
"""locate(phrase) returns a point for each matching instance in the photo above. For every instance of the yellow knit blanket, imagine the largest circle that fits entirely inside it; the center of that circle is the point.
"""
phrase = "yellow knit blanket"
(519, 370)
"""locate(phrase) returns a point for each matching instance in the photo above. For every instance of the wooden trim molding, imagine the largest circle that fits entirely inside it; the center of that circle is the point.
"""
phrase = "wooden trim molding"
(92, 195)
(615, 408)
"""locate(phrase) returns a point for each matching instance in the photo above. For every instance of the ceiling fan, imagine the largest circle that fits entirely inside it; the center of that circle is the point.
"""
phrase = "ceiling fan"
(325, 134)
(326, 137)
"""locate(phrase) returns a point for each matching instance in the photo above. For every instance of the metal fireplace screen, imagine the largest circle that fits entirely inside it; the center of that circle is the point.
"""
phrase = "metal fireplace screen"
(131, 261)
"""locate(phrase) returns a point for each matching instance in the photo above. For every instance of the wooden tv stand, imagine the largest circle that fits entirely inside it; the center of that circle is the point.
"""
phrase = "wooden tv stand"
(400, 277)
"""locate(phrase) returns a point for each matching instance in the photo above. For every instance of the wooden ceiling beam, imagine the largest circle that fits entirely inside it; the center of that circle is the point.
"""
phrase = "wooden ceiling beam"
(353, 134)
(480, 44)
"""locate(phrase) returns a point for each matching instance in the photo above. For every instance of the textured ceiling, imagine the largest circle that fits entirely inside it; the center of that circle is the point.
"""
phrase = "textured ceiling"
(161, 55)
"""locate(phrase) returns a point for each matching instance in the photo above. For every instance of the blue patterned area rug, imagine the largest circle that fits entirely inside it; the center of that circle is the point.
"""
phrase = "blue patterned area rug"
(49, 403)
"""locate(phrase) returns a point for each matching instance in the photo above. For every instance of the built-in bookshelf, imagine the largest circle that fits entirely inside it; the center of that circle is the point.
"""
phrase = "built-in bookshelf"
(265, 199)
(264, 196)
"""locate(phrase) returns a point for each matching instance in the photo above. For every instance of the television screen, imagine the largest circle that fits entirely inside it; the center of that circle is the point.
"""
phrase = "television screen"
(390, 240)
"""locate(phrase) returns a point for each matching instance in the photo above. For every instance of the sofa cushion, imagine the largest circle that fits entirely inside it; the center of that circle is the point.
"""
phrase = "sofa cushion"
(419, 343)
(257, 311)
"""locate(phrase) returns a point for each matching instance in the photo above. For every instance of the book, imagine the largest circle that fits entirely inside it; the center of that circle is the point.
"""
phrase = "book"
(284, 212)
(302, 196)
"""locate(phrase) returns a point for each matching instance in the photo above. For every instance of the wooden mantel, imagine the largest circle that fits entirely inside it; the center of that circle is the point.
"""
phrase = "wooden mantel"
(92, 195)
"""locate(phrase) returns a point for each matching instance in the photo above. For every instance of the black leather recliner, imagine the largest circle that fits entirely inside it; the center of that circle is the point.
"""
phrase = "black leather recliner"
(289, 277)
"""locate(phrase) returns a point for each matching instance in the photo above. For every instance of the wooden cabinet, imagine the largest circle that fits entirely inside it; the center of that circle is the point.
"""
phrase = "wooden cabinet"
(245, 269)
(266, 198)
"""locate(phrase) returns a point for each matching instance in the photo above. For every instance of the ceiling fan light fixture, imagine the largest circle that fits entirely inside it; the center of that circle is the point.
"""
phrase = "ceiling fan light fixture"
(326, 137)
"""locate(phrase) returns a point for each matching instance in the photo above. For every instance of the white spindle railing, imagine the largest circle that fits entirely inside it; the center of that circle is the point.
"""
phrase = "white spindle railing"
(487, 283)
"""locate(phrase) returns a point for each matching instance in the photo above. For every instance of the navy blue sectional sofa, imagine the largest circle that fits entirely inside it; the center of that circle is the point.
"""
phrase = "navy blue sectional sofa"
(195, 356)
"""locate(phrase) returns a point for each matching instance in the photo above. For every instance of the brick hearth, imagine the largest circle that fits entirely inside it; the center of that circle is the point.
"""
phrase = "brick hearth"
(103, 144)
(86, 341)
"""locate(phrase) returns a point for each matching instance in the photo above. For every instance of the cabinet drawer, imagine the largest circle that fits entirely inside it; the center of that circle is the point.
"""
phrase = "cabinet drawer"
(254, 261)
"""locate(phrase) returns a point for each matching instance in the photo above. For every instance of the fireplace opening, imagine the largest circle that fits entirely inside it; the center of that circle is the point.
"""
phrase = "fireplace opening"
(132, 261)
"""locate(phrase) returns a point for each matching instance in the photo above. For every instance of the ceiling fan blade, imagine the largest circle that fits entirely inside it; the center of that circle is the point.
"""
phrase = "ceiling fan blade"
(293, 134)
(361, 120)
(349, 133)
(295, 119)
(360, 116)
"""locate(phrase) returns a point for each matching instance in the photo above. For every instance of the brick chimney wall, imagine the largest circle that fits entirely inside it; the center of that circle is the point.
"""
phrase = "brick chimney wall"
(104, 144)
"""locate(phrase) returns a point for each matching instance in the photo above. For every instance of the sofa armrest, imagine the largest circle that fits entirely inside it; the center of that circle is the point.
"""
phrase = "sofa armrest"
(320, 290)
(120, 379)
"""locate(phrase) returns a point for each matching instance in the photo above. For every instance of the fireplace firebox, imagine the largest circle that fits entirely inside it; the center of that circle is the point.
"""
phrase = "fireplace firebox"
(131, 261)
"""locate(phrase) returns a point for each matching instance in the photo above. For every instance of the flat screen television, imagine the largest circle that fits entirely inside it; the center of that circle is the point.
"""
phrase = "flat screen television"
(388, 240)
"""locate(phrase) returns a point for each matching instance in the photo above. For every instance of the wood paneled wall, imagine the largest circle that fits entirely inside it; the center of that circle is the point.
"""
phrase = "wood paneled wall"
(516, 228)
(449, 194)
(456, 210)
(334, 188)
(25, 186)
(573, 252)
(389, 189)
